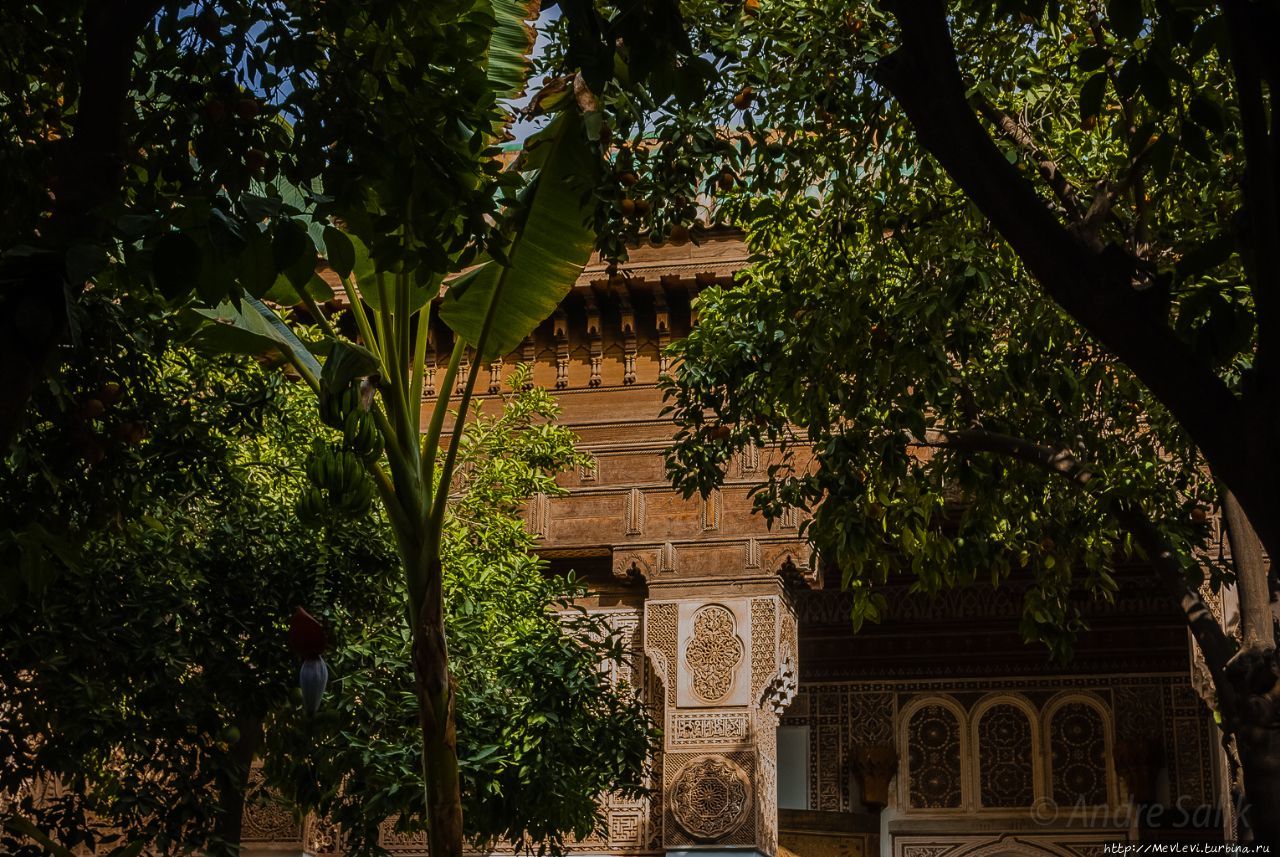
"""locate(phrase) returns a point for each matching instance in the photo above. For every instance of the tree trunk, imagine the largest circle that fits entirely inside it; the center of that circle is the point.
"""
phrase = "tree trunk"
(1253, 585)
(436, 715)
(1257, 732)
(1252, 708)
(233, 785)
(1246, 684)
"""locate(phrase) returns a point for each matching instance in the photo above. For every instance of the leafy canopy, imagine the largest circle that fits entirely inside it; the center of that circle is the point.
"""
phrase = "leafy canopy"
(871, 363)
(891, 325)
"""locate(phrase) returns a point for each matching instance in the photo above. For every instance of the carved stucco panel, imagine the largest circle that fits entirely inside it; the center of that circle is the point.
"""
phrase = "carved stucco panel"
(713, 653)
(715, 665)
(267, 818)
(711, 798)
(660, 643)
(733, 674)
(764, 624)
(708, 728)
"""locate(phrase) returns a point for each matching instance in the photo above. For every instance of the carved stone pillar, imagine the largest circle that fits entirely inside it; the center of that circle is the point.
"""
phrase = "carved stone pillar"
(726, 670)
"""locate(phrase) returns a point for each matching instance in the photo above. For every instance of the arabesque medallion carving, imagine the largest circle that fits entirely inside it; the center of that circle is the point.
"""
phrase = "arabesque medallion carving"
(713, 653)
(711, 798)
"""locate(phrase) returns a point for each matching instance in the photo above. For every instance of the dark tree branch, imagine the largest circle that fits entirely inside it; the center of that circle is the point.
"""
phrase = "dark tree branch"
(91, 171)
(1102, 290)
(1109, 192)
(1063, 462)
(1216, 648)
(1253, 588)
(1103, 205)
(1048, 167)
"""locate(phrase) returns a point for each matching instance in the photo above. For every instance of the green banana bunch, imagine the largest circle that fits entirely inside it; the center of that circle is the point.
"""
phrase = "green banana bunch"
(335, 407)
(338, 482)
(342, 472)
(350, 489)
(317, 465)
(356, 500)
(361, 436)
(312, 506)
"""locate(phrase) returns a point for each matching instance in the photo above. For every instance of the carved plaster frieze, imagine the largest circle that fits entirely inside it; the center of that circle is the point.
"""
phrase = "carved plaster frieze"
(709, 728)
(660, 645)
(714, 669)
(732, 664)
(267, 818)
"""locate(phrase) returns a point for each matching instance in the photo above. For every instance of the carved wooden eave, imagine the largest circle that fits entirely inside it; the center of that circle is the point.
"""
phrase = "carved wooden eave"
(718, 257)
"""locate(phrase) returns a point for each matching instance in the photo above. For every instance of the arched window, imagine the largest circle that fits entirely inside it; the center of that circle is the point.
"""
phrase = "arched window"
(1006, 777)
(933, 762)
(1078, 753)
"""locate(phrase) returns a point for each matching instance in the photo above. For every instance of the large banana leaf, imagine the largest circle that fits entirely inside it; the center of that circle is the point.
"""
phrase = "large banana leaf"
(511, 46)
(251, 328)
(549, 249)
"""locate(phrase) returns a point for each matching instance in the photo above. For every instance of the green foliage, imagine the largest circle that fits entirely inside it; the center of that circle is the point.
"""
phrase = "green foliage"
(438, 200)
(145, 638)
(1136, 125)
(552, 240)
(245, 133)
(148, 641)
(244, 113)
(854, 352)
(541, 731)
(883, 312)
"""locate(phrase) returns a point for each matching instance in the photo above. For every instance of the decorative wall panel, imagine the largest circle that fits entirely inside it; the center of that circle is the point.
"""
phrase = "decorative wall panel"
(710, 798)
(843, 716)
(713, 653)
(699, 784)
(719, 760)
(763, 633)
(266, 817)
(1078, 755)
(933, 758)
(1006, 773)
(708, 728)
(660, 644)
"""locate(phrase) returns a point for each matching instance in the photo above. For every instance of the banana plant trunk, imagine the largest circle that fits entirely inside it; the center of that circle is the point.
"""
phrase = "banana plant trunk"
(435, 693)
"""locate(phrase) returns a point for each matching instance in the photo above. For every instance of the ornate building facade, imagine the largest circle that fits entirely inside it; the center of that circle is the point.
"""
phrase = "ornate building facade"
(936, 733)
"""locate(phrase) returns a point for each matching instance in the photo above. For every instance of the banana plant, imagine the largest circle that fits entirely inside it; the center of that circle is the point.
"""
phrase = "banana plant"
(371, 389)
